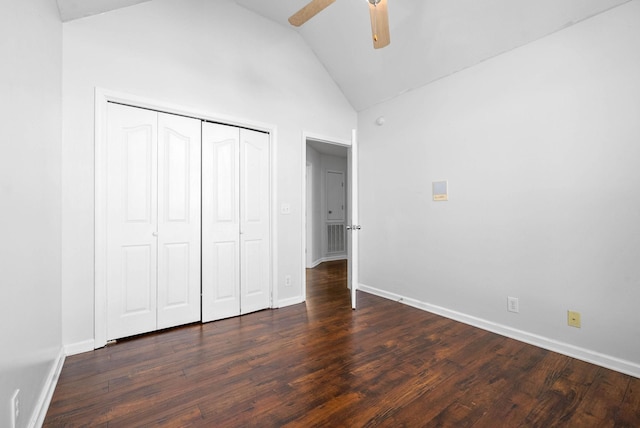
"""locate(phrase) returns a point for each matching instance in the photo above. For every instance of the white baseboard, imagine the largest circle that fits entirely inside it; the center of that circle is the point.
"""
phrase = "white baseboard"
(607, 361)
(42, 405)
(327, 259)
(290, 301)
(314, 264)
(79, 347)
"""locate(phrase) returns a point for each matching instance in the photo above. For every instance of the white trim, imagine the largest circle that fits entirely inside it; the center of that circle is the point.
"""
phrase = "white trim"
(354, 218)
(102, 97)
(79, 347)
(106, 95)
(290, 301)
(273, 164)
(593, 357)
(328, 259)
(303, 233)
(42, 405)
(307, 218)
(100, 232)
(303, 203)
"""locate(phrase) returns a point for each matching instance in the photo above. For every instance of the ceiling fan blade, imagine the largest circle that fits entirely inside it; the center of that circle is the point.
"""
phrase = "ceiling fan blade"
(380, 24)
(309, 11)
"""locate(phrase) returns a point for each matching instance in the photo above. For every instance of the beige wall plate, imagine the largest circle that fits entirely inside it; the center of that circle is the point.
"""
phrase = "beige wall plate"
(573, 319)
(440, 190)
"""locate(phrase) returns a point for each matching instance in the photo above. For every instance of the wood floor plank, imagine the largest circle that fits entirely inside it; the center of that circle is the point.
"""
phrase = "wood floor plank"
(561, 403)
(605, 395)
(628, 414)
(322, 364)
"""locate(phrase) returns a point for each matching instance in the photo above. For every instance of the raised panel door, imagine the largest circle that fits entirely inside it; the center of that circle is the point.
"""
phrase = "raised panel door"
(254, 221)
(335, 192)
(131, 221)
(220, 222)
(178, 220)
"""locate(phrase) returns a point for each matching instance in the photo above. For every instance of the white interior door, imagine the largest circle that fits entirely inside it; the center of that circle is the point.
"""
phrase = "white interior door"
(153, 220)
(335, 195)
(178, 220)
(220, 221)
(254, 221)
(131, 267)
(354, 221)
(236, 222)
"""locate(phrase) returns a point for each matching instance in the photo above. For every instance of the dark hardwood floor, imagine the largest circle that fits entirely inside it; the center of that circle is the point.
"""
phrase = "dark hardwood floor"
(322, 364)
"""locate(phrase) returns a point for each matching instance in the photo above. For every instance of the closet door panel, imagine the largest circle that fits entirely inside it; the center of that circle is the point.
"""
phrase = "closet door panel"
(220, 222)
(254, 221)
(131, 221)
(137, 280)
(179, 145)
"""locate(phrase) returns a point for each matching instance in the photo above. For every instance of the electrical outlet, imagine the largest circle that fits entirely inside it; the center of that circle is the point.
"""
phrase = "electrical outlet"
(573, 319)
(287, 280)
(15, 408)
(512, 304)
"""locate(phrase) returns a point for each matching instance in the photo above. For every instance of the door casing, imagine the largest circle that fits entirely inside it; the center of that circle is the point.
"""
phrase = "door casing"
(350, 205)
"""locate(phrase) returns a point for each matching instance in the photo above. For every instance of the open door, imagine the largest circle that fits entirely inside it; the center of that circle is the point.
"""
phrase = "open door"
(353, 224)
(348, 152)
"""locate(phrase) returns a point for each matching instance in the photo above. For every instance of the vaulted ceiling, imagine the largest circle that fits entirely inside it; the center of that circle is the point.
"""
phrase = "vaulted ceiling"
(430, 39)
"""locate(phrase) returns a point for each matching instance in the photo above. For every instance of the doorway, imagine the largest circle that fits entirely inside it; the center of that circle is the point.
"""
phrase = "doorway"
(327, 183)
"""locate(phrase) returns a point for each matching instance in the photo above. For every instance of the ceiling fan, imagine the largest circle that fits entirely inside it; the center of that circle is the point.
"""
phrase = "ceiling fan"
(377, 11)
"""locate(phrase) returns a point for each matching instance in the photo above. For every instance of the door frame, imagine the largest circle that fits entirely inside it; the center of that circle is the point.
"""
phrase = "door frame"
(308, 211)
(326, 140)
(104, 96)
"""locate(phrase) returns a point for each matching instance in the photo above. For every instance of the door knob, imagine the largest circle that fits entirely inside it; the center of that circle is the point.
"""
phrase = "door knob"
(348, 227)
(154, 233)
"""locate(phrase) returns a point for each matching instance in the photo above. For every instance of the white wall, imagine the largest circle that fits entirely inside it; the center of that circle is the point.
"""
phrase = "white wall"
(541, 148)
(30, 291)
(314, 226)
(317, 228)
(210, 55)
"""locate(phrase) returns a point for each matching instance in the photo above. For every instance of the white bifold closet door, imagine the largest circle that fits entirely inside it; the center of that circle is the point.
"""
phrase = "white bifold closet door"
(235, 221)
(153, 220)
